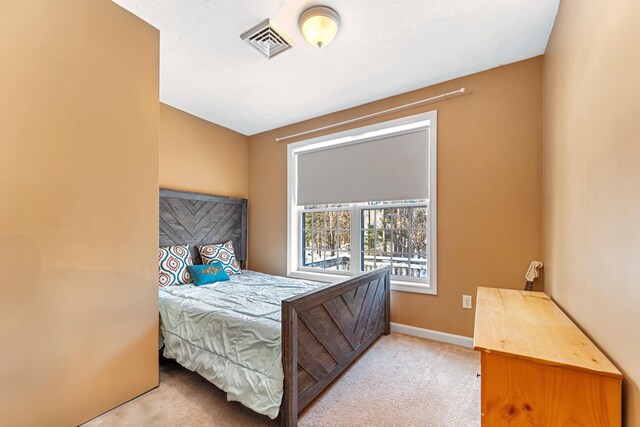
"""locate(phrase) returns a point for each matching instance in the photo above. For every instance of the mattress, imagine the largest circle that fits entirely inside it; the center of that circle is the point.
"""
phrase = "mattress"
(229, 332)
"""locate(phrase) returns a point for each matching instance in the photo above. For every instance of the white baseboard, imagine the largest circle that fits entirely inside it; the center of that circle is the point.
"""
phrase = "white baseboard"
(432, 335)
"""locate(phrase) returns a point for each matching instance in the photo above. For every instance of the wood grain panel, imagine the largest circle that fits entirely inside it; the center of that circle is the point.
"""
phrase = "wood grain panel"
(518, 392)
(199, 219)
(324, 328)
(310, 363)
(309, 344)
(323, 331)
(305, 381)
(354, 299)
(339, 312)
(376, 316)
(529, 325)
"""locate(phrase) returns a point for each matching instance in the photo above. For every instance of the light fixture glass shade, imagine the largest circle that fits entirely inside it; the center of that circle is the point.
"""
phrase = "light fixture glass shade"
(319, 25)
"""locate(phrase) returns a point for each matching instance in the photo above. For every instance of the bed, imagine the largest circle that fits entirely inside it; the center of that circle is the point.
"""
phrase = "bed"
(271, 343)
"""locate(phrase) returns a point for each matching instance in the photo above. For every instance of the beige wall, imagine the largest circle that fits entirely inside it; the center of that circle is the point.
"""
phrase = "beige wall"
(78, 217)
(592, 178)
(197, 155)
(489, 190)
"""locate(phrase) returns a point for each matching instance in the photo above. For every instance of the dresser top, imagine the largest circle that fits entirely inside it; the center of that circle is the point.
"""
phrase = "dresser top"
(529, 325)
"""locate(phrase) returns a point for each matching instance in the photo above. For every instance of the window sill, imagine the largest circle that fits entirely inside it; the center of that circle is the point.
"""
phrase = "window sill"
(319, 277)
(418, 288)
(396, 285)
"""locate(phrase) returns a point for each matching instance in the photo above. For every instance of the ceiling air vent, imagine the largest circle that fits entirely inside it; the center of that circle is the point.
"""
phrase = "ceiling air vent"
(268, 38)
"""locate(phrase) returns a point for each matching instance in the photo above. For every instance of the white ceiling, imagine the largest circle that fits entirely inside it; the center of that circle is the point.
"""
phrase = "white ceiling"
(383, 48)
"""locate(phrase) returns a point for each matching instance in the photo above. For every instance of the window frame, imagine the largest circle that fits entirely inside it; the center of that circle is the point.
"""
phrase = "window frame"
(295, 246)
(299, 266)
(355, 229)
(394, 278)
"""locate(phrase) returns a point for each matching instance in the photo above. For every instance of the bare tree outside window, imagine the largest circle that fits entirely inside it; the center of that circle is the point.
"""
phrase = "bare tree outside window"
(327, 239)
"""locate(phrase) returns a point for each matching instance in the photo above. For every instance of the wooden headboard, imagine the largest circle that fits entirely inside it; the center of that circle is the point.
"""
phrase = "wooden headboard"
(199, 219)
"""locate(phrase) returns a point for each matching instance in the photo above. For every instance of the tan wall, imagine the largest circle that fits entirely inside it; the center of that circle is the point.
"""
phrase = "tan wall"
(592, 178)
(78, 217)
(489, 190)
(197, 155)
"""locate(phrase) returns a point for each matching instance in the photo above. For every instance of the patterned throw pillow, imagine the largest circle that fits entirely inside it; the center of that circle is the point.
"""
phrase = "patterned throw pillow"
(223, 253)
(173, 265)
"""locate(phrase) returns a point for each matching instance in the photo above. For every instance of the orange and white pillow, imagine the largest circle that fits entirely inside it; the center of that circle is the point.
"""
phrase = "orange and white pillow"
(222, 253)
(173, 262)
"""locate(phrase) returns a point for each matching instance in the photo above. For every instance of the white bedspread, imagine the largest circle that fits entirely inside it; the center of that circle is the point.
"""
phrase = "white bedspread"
(229, 332)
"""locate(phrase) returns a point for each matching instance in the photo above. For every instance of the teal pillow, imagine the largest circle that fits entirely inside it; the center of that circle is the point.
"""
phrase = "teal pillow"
(205, 274)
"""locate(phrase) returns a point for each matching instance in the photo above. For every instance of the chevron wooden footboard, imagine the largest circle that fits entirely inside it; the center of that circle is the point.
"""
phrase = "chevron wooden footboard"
(323, 331)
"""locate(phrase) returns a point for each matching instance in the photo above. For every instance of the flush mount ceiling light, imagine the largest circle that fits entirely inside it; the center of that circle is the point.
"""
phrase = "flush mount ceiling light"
(319, 25)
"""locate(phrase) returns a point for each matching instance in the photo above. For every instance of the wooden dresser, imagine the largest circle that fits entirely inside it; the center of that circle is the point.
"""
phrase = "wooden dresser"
(538, 368)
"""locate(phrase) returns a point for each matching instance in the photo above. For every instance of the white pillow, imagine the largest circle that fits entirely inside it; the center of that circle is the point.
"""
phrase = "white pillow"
(223, 253)
(173, 265)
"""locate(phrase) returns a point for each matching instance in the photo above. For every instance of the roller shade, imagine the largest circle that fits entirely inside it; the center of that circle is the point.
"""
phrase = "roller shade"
(388, 168)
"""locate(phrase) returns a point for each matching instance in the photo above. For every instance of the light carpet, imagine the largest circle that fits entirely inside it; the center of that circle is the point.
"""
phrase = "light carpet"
(400, 381)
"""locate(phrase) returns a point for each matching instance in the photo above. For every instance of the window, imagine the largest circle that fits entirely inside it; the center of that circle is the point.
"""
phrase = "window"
(395, 236)
(390, 234)
(326, 235)
(331, 236)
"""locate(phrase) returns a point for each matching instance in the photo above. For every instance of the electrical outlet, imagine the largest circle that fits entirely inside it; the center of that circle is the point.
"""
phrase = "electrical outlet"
(467, 301)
